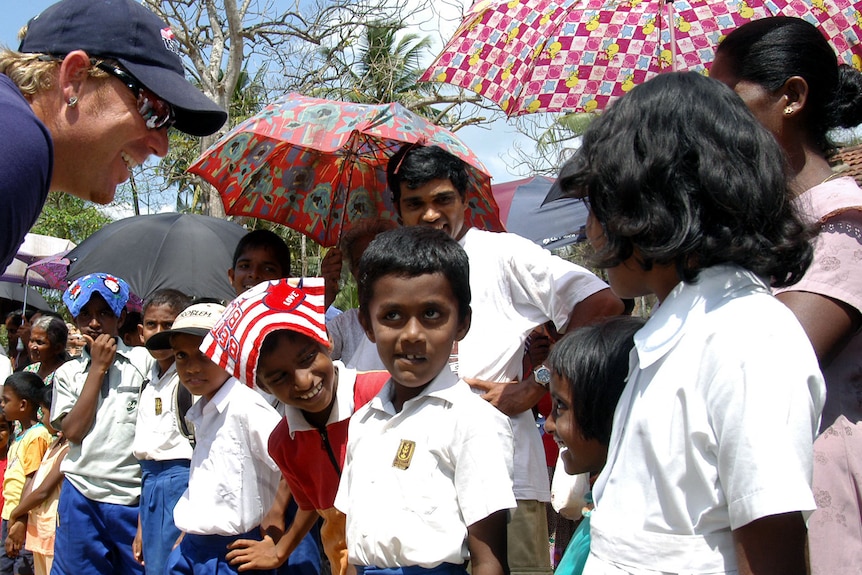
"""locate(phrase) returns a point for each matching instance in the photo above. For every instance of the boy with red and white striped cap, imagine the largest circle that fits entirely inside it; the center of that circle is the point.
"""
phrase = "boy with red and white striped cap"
(274, 334)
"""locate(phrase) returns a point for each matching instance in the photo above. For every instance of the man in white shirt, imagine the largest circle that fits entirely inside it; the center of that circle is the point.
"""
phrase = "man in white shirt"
(516, 286)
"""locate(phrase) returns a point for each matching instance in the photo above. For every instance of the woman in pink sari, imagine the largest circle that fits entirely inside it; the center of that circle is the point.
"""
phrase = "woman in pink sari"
(789, 77)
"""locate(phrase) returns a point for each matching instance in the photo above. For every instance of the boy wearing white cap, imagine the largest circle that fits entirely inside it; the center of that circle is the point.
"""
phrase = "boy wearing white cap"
(232, 482)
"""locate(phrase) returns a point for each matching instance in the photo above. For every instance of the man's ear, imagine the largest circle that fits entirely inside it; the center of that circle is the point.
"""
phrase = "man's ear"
(365, 322)
(230, 275)
(74, 72)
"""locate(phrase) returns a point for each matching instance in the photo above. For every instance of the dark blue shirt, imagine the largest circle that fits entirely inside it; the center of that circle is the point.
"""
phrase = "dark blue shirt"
(26, 163)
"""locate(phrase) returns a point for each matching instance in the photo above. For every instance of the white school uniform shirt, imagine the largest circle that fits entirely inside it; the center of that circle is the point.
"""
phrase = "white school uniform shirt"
(459, 472)
(157, 434)
(714, 429)
(102, 466)
(516, 286)
(233, 480)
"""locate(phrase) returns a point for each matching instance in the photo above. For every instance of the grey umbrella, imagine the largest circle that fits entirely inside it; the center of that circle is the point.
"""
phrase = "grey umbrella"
(188, 252)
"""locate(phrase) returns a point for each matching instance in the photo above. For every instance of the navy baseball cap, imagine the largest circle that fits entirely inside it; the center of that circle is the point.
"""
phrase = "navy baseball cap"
(136, 38)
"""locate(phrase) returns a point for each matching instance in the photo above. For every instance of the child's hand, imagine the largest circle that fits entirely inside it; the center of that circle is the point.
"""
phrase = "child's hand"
(15, 540)
(102, 351)
(247, 554)
(330, 269)
(138, 546)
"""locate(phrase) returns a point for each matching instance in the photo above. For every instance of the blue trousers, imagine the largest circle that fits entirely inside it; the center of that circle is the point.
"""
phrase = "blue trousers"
(21, 565)
(305, 559)
(94, 538)
(162, 485)
(205, 555)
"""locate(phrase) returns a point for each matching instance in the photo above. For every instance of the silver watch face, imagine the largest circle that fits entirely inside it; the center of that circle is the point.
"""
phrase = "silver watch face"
(542, 375)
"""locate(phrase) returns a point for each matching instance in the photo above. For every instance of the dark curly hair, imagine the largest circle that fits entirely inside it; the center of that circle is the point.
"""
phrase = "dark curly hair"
(680, 171)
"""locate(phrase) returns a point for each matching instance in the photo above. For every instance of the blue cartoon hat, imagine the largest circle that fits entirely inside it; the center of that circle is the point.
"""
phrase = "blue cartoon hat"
(113, 290)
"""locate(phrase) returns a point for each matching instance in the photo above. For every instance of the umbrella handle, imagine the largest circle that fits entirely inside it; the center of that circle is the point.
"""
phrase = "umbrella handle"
(26, 287)
(672, 30)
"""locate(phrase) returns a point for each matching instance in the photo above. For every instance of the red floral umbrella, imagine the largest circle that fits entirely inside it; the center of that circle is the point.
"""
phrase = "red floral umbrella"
(578, 55)
(319, 166)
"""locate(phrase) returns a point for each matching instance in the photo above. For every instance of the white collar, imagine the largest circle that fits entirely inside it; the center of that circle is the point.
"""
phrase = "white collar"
(441, 387)
(687, 303)
(342, 407)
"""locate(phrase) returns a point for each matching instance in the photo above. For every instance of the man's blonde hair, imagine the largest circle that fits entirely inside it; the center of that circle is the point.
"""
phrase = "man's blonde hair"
(32, 73)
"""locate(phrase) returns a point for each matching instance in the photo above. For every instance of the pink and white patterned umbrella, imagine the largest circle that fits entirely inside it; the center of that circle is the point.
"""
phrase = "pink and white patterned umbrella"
(578, 55)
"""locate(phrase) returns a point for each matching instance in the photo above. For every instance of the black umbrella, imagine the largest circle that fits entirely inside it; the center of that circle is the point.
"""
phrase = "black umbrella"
(12, 297)
(188, 252)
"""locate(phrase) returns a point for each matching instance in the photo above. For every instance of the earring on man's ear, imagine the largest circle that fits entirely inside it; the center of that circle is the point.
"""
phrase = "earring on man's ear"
(788, 110)
(72, 101)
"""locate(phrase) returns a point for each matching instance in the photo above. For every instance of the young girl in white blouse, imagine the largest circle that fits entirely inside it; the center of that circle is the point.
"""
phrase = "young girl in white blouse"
(710, 459)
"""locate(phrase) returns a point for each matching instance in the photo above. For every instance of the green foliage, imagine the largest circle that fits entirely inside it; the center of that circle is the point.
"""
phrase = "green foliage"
(66, 216)
(247, 98)
(382, 68)
(564, 129)
(348, 297)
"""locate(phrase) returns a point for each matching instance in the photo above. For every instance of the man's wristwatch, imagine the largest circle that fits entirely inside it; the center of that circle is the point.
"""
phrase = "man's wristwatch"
(542, 375)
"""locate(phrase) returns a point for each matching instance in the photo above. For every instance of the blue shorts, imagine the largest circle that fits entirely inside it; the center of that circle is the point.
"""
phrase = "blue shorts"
(94, 538)
(305, 559)
(205, 555)
(162, 485)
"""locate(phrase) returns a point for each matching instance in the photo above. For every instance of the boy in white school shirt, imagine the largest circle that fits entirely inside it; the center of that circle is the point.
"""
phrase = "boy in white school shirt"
(161, 445)
(233, 480)
(427, 481)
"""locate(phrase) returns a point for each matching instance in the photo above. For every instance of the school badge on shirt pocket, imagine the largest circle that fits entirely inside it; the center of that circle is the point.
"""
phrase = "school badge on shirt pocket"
(404, 454)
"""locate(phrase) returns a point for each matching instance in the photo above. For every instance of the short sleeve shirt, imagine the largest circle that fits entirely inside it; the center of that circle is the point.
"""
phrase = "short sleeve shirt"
(414, 480)
(714, 428)
(102, 467)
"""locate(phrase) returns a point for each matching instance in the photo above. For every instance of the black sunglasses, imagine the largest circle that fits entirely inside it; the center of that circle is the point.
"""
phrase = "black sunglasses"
(156, 112)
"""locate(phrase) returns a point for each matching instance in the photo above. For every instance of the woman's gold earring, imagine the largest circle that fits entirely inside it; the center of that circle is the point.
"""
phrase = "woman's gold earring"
(788, 110)
(72, 102)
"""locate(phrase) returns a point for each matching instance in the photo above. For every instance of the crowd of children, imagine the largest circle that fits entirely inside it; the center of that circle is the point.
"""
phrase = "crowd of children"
(217, 439)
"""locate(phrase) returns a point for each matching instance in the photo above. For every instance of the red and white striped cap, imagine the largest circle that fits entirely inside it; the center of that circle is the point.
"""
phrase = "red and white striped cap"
(294, 304)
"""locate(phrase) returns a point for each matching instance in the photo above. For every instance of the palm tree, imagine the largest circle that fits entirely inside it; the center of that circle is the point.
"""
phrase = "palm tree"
(383, 68)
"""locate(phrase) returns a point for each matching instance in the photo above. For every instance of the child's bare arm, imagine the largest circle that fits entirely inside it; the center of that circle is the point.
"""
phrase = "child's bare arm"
(138, 543)
(78, 422)
(267, 554)
(17, 528)
(31, 498)
(486, 540)
(273, 522)
(772, 545)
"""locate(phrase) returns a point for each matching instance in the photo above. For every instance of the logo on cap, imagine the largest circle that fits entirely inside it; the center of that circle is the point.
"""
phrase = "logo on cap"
(171, 42)
(283, 297)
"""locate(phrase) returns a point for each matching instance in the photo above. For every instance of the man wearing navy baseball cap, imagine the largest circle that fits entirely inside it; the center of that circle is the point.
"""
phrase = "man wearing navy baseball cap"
(89, 94)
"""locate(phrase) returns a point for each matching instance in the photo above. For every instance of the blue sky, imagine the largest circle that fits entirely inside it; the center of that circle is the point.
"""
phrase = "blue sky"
(15, 15)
